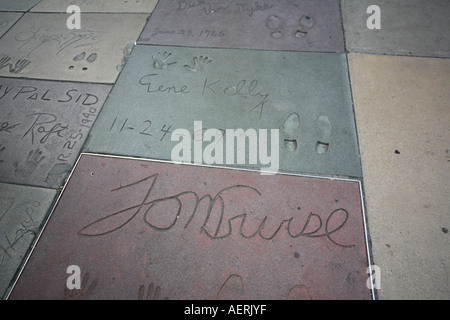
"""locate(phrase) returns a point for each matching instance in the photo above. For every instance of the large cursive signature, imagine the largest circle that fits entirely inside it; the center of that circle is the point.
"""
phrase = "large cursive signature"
(313, 227)
(34, 39)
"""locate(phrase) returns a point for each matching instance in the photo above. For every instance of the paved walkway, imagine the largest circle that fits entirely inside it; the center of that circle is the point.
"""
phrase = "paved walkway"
(224, 149)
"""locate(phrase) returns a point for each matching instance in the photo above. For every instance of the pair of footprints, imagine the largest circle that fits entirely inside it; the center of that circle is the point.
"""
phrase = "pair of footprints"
(91, 58)
(276, 25)
(291, 128)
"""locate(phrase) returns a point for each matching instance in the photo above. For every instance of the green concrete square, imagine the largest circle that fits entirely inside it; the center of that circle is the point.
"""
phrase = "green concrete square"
(305, 96)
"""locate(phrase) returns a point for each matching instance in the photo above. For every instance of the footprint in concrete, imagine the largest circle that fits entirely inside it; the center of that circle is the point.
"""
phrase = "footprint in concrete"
(232, 288)
(79, 57)
(275, 24)
(291, 129)
(305, 23)
(325, 129)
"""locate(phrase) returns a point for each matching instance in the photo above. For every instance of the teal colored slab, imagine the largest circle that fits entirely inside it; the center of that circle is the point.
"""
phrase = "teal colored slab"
(306, 25)
(305, 96)
(22, 211)
(17, 5)
(7, 20)
(408, 27)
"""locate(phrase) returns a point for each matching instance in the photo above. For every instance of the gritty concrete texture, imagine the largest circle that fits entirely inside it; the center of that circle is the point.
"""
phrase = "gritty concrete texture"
(403, 116)
(132, 226)
(43, 125)
(7, 20)
(17, 5)
(41, 46)
(270, 24)
(169, 88)
(408, 27)
(119, 6)
(22, 210)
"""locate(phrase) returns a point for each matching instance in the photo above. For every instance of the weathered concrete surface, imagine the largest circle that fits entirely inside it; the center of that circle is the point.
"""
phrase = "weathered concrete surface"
(269, 24)
(17, 5)
(7, 20)
(403, 116)
(141, 229)
(43, 125)
(305, 96)
(408, 27)
(22, 211)
(108, 6)
(41, 46)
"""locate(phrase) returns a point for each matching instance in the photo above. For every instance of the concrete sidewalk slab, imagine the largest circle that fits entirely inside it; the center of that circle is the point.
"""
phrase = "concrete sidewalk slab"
(108, 6)
(305, 96)
(17, 5)
(41, 46)
(275, 25)
(403, 117)
(139, 229)
(43, 125)
(7, 20)
(408, 27)
(22, 211)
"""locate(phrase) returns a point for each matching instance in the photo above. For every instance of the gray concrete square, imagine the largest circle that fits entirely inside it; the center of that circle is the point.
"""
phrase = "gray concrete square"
(7, 20)
(408, 27)
(41, 46)
(108, 6)
(22, 211)
(43, 125)
(17, 5)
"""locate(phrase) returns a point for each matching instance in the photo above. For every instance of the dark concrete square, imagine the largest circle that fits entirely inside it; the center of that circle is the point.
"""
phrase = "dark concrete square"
(138, 228)
(306, 25)
(43, 126)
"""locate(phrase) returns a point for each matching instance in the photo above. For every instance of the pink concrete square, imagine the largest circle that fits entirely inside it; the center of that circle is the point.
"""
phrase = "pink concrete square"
(144, 229)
